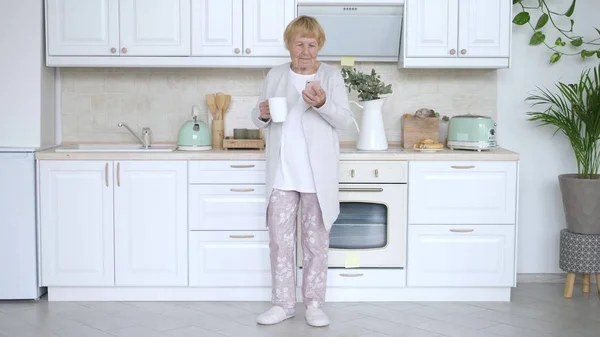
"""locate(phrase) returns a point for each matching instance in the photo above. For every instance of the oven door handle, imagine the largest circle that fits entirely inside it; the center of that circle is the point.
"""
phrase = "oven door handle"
(361, 189)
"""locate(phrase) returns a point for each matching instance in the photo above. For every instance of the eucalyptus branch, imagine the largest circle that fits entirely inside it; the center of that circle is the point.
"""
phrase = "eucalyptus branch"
(368, 86)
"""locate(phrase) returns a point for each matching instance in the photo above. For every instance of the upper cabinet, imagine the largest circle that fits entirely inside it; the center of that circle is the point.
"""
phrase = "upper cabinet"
(118, 28)
(217, 27)
(264, 24)
(82, 28)
(154, 27)
(166, 32)
(456, 34)
(249, 33)
(240, 27)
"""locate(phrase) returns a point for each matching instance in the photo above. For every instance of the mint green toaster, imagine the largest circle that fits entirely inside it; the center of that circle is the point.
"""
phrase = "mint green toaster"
(472, 132)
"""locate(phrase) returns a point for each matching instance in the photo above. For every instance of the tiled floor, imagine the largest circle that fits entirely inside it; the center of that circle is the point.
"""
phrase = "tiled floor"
(536, 310)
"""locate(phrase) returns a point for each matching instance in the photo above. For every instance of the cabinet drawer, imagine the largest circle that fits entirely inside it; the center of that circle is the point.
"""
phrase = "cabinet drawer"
(227, 207)
(362, 278)
(462, 193)
(372, 171)
(227, 172)
(461, 256)
(229, 259)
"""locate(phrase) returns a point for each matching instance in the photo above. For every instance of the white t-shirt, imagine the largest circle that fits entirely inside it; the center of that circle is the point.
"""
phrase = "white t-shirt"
(295, 173)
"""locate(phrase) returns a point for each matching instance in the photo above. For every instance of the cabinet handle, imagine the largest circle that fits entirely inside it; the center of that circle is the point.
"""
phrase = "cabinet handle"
(248, 50)
(124, 50)
(352, 172)
(241, 166)
(241, 236)
(452, 51)
(106, 174)
(462, 167)
(359, 189)
(463, 51)
(462, 230)
(352, 275)
(241, 190)
(376, 173)
(113, 50)
(236, 50)
(119, 174)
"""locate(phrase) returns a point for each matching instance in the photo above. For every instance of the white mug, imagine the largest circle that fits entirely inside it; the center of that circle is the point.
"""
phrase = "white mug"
(278, 109)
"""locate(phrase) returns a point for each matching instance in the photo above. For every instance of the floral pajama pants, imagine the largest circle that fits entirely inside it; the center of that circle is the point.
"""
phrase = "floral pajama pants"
(281, 220)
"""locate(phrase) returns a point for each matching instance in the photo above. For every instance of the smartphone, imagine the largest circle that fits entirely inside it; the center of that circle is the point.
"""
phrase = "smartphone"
(315, 84)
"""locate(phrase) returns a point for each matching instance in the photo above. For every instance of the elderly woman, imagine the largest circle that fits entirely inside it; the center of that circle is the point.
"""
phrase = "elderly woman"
(302, 169)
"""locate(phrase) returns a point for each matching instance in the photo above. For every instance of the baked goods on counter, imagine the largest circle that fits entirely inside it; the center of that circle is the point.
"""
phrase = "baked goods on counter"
(428, 144)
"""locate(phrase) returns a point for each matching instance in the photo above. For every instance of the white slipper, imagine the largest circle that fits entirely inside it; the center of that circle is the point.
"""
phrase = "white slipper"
(273, 316)
(316, 317)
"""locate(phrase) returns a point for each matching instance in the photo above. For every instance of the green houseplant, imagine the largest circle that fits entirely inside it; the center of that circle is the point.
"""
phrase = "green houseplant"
(577, 45)
(574, 110)
(370, 88)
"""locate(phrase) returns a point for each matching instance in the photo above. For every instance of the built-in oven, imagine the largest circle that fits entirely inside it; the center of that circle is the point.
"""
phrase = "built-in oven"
(370, 230)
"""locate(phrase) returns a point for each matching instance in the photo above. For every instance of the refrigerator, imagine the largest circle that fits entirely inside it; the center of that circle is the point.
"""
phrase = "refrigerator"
(18, 230)
(27, 125)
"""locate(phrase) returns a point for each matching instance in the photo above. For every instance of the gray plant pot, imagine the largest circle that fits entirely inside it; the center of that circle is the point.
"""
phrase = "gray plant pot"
(581, 202)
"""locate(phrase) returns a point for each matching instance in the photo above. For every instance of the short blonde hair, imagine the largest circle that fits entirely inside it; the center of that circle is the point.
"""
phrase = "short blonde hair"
(304, 26)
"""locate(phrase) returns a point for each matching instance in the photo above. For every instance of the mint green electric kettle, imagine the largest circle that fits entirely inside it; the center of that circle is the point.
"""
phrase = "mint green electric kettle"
(194, 135)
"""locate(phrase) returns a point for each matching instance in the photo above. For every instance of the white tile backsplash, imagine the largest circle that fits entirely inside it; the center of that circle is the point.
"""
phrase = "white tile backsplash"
(94, 99)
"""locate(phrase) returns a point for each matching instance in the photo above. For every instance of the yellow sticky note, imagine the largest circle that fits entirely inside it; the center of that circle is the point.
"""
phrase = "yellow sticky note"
(347, 61)
(352, 261)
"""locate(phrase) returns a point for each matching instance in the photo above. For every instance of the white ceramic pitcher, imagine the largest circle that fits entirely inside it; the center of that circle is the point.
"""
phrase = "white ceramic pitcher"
(372, 137)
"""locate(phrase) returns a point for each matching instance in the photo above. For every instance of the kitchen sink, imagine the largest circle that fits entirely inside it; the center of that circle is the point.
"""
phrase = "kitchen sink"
(115, 148)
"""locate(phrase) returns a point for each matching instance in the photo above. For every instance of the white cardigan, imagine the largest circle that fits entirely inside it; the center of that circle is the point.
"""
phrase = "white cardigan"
(320, 128)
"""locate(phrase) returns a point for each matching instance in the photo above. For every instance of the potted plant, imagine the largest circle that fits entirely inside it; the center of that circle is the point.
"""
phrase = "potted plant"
(575, 111)
(370, 88)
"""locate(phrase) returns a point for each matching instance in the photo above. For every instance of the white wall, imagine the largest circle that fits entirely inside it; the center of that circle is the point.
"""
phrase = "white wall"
(543, 156)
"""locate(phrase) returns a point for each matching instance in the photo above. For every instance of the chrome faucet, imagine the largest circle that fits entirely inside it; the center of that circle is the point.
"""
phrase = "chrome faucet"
(146, 134)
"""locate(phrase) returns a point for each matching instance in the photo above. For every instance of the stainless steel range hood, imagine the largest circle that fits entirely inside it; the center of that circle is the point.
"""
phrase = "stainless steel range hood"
(365, 30)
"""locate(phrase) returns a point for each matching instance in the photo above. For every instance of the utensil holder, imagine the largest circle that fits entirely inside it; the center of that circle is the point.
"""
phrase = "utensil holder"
(218, 133)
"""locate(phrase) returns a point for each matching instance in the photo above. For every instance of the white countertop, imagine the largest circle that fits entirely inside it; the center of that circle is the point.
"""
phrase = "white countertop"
(347, 152)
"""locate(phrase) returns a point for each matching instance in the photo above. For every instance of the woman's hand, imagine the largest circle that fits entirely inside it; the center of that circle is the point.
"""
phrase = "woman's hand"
(264, 110)
(314, 97)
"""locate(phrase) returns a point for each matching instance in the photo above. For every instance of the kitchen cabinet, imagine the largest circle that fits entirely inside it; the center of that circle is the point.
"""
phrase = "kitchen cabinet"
(217, 27)
(227, 207)
(457, 34)
(166, 32)
(228, 238)
(107, 223)
(118, 28)
(76, 223)
(195, 229)
(82, 28)
(462, 224)
(462, 192)
(461, 256)
(150, 223)
(229, 259)
(264, 24)
(154, 28)
(240, 27)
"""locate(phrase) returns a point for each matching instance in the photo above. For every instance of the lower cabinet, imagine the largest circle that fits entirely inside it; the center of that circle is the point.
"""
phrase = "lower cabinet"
(150, 224)
(461, 256)
(76, 223)
(121, 223)
(229, 259)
